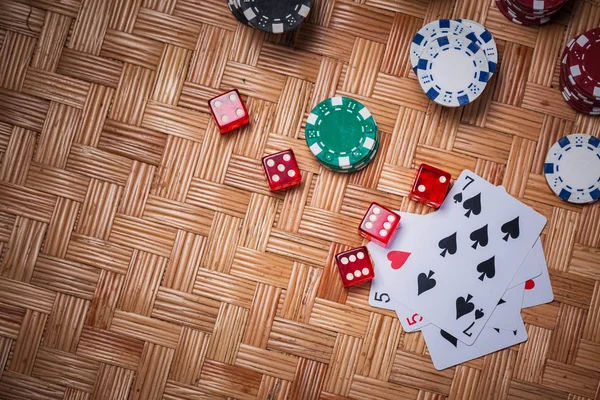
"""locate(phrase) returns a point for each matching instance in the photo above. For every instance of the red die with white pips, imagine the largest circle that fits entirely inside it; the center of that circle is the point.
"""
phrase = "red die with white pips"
(229, 111)
(282, 170)
(431, 186)
(355, 266)
(379, 224)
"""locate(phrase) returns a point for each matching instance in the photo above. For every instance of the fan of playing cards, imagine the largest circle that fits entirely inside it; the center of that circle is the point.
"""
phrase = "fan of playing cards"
(462, 274)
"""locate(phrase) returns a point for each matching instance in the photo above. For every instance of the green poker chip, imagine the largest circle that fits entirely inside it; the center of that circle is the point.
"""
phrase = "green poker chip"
(359, 166)
(342, 134)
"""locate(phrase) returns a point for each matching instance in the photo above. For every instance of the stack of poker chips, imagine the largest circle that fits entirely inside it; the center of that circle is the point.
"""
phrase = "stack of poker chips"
(272, 16)
(529, 12)
(454, 60)
(580, 72)
(342, 134)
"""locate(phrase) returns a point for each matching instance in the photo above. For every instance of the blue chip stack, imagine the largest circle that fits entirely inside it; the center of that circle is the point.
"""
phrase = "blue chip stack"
(454, 60)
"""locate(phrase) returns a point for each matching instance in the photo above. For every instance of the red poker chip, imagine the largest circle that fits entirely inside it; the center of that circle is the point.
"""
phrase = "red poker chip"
(502, 8)
(580, 72)
(568, 81)
(583, 63)
(529, 13)
(526, 15)
(573, 93)
(583, 110)
(577, 105)
(541, 5)
(576, 94)
(517, 17)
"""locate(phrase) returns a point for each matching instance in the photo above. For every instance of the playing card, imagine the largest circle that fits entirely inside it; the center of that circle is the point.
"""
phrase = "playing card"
(538, 290)
(386, 260)
(505, 317)
(447, 351)
(507, 313)
(530, 268)
(410, 320)
(473, 248)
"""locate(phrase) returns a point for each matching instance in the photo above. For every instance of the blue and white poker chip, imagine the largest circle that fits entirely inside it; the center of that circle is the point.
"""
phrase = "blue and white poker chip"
(486, 42)
(434, 30)
(453, 71)
(572, 168)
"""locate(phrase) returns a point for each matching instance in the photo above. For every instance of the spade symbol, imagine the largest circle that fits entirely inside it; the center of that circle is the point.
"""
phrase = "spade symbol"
(458, 198)
(473, 205)
(448, 244)
(511, 228)
(479, 313)
(487, 268)
(464, 306)
(480, 237)
(449, 337)
(425, 282)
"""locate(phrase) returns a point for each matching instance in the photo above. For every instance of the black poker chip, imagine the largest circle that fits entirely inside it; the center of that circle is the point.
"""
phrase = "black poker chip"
(275, 16)
(235, 7)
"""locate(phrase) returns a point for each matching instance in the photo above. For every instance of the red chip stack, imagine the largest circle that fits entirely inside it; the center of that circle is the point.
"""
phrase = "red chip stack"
(529, 12)
(580, 72)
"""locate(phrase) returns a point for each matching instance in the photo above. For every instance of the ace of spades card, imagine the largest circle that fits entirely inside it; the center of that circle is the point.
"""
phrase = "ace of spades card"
(474, 246)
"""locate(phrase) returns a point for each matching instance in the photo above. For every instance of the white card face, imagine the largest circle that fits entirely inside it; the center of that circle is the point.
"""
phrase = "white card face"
(470, 251)
(538, 290)
(446, 351)
(530, 268)
(382, 295)
(507, 313)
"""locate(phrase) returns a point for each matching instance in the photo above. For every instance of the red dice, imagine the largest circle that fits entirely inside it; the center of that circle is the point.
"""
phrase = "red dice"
(431, 186)
(355, 266)
(282, 170)
(229, 111)
(379, 224)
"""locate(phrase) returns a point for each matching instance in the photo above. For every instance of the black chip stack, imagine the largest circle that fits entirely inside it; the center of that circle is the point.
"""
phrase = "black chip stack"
(272, 16)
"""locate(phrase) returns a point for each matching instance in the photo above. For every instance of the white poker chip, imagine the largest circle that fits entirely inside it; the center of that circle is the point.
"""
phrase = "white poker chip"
(572, 168)
(453, 71)
(486, 42)
(434, 30)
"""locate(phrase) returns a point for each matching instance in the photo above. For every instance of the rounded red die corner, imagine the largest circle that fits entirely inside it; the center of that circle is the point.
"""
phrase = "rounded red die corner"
(379, 224)
(229, 111)
(281, 170)
(355, 266)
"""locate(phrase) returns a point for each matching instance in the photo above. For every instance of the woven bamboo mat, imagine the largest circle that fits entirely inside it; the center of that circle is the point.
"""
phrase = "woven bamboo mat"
(143, 257)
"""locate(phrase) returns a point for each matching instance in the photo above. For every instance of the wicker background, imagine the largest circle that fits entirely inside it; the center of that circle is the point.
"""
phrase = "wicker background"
(143, 256)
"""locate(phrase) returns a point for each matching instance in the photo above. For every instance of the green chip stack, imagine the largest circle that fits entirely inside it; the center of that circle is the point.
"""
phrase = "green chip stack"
(342, 134)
